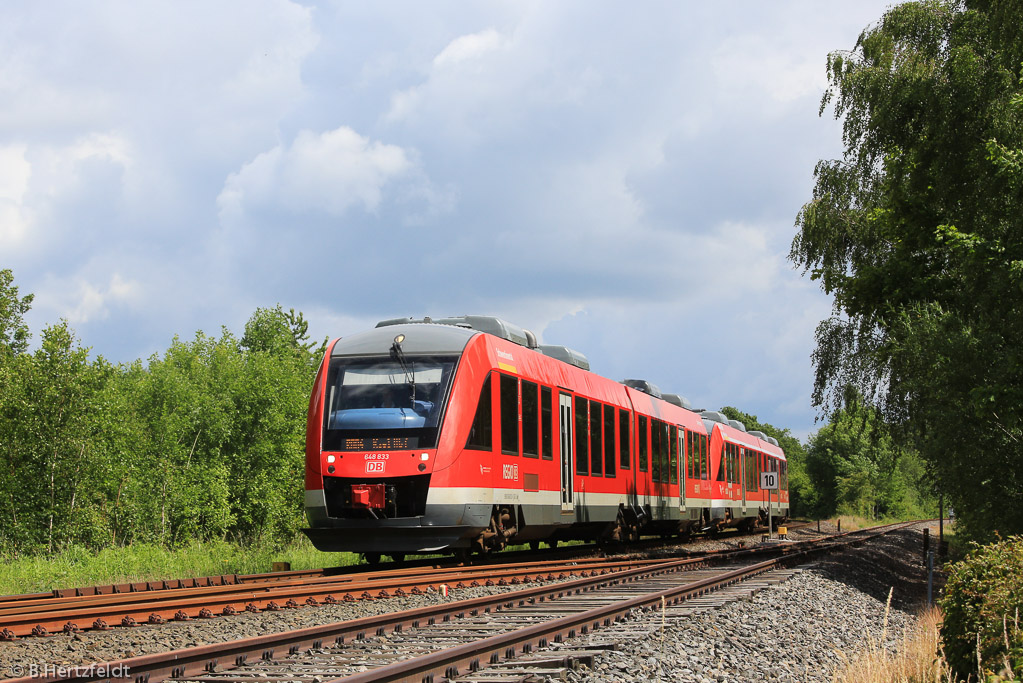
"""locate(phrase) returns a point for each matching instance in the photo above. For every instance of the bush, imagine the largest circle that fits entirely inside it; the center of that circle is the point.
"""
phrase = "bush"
(982, 600)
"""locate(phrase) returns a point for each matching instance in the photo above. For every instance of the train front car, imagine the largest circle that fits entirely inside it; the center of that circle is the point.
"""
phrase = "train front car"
(377, 455)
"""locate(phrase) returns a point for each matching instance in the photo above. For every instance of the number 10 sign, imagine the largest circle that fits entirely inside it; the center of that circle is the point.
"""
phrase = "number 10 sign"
(769, 480)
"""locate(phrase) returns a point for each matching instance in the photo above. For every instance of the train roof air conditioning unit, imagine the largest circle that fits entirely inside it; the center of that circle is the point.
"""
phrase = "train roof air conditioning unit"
(644, 386)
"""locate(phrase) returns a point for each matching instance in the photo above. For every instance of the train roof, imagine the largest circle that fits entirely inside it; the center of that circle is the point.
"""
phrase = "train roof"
(441, 336)
(419, 339)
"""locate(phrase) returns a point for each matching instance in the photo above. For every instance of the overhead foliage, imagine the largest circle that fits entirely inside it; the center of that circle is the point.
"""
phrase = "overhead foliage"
(917, 232)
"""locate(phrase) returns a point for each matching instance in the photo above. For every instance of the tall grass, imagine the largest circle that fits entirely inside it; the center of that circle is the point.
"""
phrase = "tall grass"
(916, 660)
(143, 562)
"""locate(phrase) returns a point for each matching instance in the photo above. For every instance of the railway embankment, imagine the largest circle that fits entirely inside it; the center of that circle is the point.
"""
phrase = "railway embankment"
(798, 630)
(795, 626)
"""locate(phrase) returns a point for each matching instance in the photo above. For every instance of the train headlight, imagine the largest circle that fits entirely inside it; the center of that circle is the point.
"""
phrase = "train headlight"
(331, 458)
(424, 457)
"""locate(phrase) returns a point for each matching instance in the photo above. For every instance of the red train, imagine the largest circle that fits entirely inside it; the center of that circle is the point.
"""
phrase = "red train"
(463, 434)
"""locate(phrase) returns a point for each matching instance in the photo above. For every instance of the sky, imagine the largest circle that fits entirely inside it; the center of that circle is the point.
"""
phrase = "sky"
(619, 178)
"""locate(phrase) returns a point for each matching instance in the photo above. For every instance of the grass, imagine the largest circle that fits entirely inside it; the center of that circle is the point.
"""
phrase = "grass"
(915, 660)
(144, 562)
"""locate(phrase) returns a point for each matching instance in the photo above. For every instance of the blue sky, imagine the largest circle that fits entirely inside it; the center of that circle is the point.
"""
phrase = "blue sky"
(621, 179)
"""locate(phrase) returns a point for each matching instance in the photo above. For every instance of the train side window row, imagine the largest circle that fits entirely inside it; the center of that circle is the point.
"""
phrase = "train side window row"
(531, 405)
(520, 402)
(659, 444)
(595, 438)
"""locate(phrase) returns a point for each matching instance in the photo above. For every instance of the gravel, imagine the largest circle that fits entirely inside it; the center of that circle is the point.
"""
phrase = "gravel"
(791, 632)
(799, 630)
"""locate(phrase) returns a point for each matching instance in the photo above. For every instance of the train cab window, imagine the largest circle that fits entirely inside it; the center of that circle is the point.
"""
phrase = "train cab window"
(381, 404)
(530, 420)
(673, 455)
(642, 437)
(546, 423)
(624, 439)
(596, 439)
(481, 432)
(609, 441)
(582, 436)
(509, 415)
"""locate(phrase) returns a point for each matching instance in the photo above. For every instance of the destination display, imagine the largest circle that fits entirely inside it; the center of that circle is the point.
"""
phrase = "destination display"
(380, 443)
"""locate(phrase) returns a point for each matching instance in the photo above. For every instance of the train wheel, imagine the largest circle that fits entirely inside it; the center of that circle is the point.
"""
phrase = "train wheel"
(372, 558)
(534, 545)
(552, 544)
(398, 557)
(462, 555)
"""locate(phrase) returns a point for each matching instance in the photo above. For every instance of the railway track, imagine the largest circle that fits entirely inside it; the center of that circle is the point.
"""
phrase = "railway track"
(157, 602)
(454, 639)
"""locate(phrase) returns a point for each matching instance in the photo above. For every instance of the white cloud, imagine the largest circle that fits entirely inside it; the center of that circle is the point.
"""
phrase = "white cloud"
(468, 48)
(755, 63)
(330, 172)
(15, 218)
(81, 300)
(622, 181)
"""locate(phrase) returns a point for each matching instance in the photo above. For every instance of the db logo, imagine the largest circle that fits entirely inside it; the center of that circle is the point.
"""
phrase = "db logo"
(375, 466)
(510, 471)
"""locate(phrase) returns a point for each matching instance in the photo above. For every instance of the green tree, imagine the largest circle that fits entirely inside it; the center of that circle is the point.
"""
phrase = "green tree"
(917, 234)
(855, 466)
(14, 334)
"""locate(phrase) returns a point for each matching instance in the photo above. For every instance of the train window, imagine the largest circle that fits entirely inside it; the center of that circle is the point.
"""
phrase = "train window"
(663, 451)
(546, 423)
(704, 458)
(673, 457)
(509, 415)
(530, 420)
(694, 455)
(655, 450)
(700, 454)
(642, 437)
(582, 436)
(381, 404)
(624, 440)
(723, 462)
(609, 441)
(785, 475)
(596, 439)
(481, 432)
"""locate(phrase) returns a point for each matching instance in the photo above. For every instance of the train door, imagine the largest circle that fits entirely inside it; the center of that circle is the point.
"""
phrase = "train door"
(567, 451)
(682, 469)
(744, 457)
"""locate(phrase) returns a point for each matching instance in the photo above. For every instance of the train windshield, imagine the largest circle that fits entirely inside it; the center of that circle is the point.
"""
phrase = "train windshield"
(383, 404)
